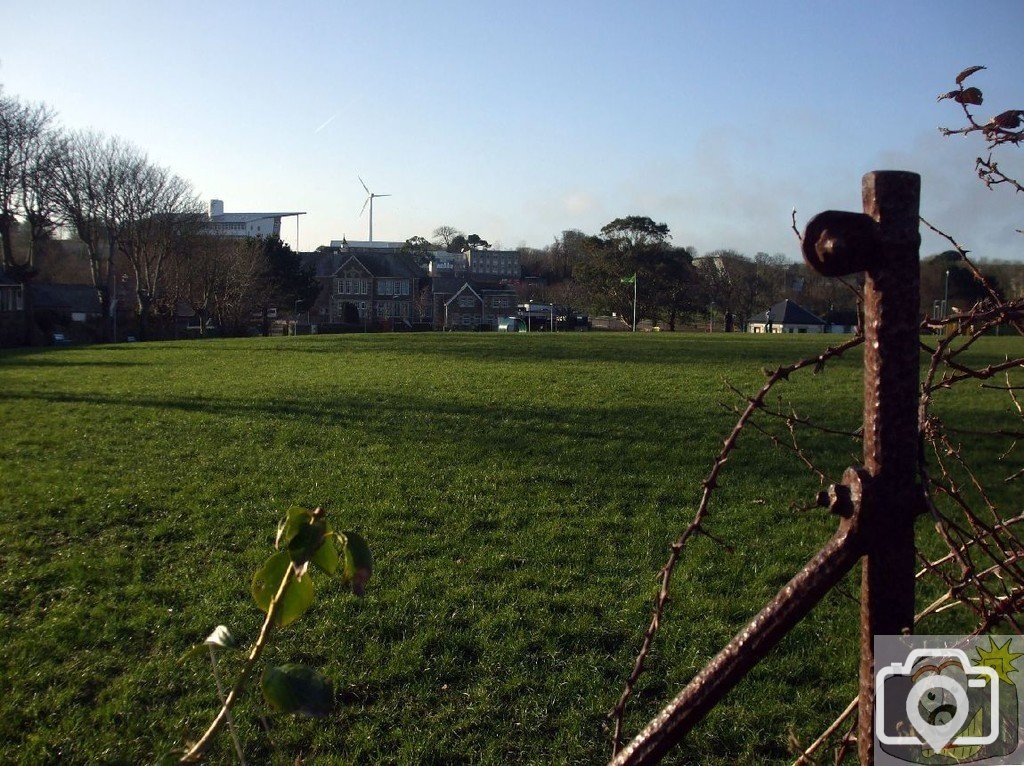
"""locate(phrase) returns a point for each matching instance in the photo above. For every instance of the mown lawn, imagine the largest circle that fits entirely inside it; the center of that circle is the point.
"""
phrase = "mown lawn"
(519, 493)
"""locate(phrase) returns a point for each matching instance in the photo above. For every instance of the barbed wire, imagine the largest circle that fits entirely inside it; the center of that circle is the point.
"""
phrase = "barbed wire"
(981, 569)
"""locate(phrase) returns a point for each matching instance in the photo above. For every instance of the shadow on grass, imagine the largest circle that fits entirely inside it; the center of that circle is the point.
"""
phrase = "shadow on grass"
(54, 360)
(511, 430)
(543, 347)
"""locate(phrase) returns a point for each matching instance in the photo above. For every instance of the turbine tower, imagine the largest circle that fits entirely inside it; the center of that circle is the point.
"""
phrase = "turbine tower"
(369, 201)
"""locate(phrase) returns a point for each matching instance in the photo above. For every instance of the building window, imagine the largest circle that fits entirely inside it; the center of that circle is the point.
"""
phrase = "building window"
(466, 302)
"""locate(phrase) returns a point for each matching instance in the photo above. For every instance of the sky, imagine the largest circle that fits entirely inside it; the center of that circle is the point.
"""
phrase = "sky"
(518, 120)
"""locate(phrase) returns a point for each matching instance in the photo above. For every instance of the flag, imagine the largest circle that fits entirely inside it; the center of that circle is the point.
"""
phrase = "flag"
(629, 280)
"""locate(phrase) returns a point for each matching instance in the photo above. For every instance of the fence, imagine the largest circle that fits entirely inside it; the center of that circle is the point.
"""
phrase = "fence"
(878, 502)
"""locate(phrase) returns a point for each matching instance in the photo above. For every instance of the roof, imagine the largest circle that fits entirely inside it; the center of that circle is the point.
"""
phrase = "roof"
(249, 217)
(366, 245)
(787, 312)
(388, 264)
(77, 298)
(446, 285)
(465, 286)
(402, 265)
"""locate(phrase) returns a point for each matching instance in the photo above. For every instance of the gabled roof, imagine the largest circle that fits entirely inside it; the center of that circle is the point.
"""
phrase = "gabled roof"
(78, 298)
(461, 290)
(787, 312)
(397, 265)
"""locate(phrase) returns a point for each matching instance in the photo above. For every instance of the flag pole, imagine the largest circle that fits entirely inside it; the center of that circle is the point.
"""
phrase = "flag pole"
(634, 301)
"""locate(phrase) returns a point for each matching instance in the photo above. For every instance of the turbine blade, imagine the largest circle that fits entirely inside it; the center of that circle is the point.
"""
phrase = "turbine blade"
(363, 183)
(367, 202)
(381, 195)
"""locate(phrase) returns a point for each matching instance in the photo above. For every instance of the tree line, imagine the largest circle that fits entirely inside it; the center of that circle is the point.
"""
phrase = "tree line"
(145, 237)
(136, 222)
(677, 286)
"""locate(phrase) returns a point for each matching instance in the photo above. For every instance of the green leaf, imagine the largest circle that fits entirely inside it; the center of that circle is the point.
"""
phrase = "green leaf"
(295, 519)
(295, 688)
(297, 597)
(326, 557)
(358, 562)
(306, 541)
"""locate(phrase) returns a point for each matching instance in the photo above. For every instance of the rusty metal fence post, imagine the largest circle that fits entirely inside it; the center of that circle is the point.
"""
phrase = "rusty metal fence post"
(877, 503)
(892, 373)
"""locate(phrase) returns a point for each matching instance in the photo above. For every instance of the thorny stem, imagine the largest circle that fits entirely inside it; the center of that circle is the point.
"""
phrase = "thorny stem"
(195, 753)
(220, 695)
(709, 485)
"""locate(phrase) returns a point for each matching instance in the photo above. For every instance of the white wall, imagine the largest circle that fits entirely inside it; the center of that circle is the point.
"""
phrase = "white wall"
(760, 327)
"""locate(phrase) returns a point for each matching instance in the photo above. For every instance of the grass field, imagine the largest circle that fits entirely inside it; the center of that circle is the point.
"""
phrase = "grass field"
(519, 493)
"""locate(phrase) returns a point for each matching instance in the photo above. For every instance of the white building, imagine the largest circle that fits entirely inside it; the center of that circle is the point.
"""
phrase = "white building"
(246, 224)
(493, 265)
(786, 317)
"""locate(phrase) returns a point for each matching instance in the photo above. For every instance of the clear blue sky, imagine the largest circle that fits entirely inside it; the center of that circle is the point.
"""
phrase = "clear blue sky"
(519, 120)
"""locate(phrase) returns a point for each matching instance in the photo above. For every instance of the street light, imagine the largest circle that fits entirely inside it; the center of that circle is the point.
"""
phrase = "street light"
(945, 297)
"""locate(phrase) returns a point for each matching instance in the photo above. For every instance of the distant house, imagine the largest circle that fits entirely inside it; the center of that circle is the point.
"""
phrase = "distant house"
(786, 317)
(69, 303)
(245, 224)
(368, 287)
(479, 306)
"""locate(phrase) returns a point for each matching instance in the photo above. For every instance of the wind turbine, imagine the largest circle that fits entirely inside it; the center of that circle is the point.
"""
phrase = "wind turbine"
(369, 201)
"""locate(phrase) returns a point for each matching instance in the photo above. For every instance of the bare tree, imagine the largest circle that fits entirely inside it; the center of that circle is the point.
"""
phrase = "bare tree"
(89, 178)
(24, 130)
(156, 209)
(39, 198)
(218, 278)
(443, 236)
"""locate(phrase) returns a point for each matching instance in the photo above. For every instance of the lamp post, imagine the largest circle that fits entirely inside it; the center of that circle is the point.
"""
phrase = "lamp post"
(945, 296)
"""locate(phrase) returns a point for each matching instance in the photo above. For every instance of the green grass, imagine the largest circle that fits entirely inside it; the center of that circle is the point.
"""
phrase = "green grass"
(519, 493)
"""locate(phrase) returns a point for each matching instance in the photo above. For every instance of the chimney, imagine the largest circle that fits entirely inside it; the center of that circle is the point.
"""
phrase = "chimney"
(216, 207)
